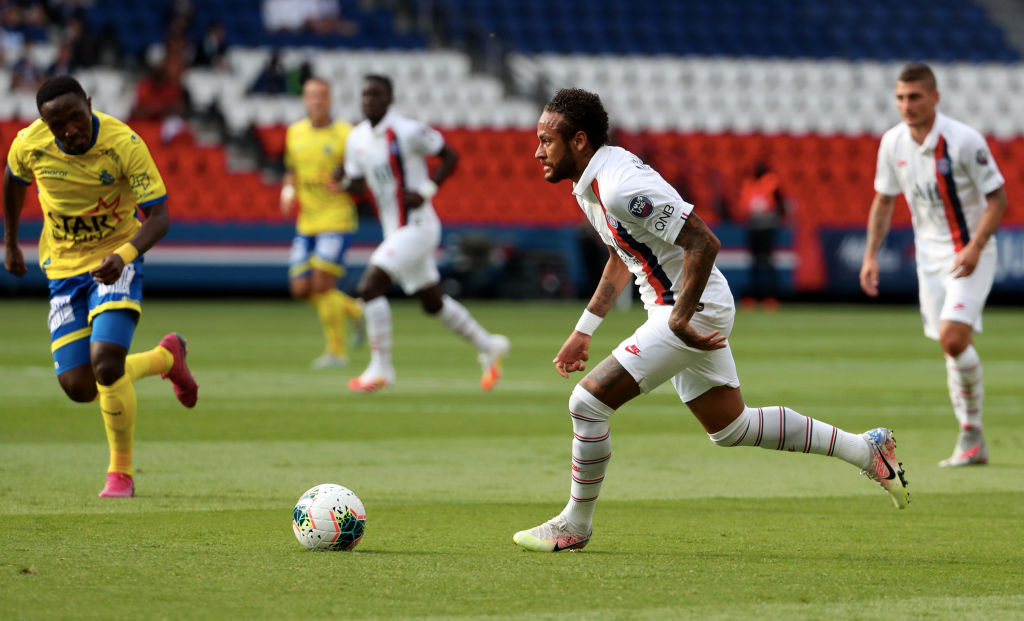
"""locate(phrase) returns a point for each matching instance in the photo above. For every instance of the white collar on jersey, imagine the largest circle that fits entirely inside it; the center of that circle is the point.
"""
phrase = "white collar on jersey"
(600, 157)
(385, 122)
(932, 139)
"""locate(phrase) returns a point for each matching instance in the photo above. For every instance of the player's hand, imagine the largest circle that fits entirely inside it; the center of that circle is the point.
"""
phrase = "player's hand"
(14, 261)
(966, 261)
(109, 270)
(697, 340)
(412, 199)
(869, 277)
(573, 355)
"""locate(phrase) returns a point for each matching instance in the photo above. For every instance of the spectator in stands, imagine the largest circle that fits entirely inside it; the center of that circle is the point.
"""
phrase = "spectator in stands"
(25, 74)
(321, 17)
(161, 95)
(314, 148)
(762, 208)
(273, 78)
(212, 49)
(955, 192)
(386, 153)
(85, 47)
(64, 64)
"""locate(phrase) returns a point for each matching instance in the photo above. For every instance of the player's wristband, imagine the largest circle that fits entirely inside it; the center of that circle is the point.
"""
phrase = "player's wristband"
(427, 190)
(588, 322)
(127, 252)
(287, 193)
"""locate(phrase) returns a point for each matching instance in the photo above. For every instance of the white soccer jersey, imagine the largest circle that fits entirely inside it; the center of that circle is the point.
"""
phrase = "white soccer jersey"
(391, 156)
(640, 215)
(944, 180)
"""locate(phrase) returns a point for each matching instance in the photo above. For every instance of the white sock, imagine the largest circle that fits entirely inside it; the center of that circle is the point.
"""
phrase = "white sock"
(378, 330)
(456, 318)
(591, 452)
(966, 387)
(783, 429)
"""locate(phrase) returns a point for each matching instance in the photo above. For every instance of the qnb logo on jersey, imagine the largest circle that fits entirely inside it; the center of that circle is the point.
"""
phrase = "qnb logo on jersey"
(641, 206)
(942, 165)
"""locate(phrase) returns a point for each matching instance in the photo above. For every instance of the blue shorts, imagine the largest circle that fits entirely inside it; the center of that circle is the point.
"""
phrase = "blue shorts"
(75, 307)
(325, 252)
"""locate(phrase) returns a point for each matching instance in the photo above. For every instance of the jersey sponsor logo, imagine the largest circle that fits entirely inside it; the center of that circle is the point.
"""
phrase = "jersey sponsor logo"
(959, 306)
(641, 206)
(633, 349)
(662, 221)
(61, 312)
(52, 172)
(901, 163)
(91, 226)
(942, 165)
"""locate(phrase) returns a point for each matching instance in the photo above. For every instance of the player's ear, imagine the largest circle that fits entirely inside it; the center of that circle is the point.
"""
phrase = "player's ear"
(579, 141)
(88, 102)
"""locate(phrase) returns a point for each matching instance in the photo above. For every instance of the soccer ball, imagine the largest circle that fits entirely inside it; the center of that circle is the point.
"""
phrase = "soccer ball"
(329, 517)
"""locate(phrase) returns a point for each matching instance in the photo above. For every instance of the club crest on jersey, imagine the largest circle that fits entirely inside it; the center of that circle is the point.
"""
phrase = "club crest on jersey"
(612, 222)
(106, 178)
(641, 206)
(942, 165)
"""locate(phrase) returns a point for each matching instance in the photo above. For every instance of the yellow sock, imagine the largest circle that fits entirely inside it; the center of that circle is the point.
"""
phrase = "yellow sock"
(144, 364)
(353, 310)
(330, 308)
(118, 406)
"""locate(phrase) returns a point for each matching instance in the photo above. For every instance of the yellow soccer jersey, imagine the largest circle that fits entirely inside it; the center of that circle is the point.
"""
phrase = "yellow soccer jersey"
(88, 200)
(312, 154)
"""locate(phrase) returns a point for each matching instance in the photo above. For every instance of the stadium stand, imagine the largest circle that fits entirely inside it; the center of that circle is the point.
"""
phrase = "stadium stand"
(701, 90)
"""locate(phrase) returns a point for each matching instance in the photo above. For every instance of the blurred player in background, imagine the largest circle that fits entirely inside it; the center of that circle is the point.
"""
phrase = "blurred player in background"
(93, 173)
(655, 236)
(956, 198)
(387, 153)
(314, 147)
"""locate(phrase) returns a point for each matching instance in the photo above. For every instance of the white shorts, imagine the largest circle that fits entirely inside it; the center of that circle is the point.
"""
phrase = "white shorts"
(944, 298)
(407, 255)
(654, 353)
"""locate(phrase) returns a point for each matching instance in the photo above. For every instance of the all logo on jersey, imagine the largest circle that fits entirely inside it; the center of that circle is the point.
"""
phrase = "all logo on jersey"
(981, 157)
(641, 206)
(942, 165)
(612, 222)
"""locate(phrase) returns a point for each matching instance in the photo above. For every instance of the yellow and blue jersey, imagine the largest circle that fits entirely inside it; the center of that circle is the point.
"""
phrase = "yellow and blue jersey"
(89, 200)
(312, 153)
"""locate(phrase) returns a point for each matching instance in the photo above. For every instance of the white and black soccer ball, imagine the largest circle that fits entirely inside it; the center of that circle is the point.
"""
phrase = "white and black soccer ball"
(329, 517)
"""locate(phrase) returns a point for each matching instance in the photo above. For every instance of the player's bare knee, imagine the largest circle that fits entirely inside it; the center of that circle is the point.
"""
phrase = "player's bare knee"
(78, 390)
(107, 370)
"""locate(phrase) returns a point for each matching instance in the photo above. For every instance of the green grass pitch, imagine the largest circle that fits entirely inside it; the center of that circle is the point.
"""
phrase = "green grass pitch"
(684, 529)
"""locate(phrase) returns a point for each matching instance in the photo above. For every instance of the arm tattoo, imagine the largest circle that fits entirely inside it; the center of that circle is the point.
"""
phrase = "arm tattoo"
(700, 248)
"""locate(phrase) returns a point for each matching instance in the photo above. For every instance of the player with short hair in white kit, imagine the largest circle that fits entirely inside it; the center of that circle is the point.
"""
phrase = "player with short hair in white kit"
(387, 153)
(956, 198)
(655, 236)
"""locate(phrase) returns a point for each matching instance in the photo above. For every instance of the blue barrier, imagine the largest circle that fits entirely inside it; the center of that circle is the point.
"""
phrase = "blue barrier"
(844, 250)
(211, 258)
